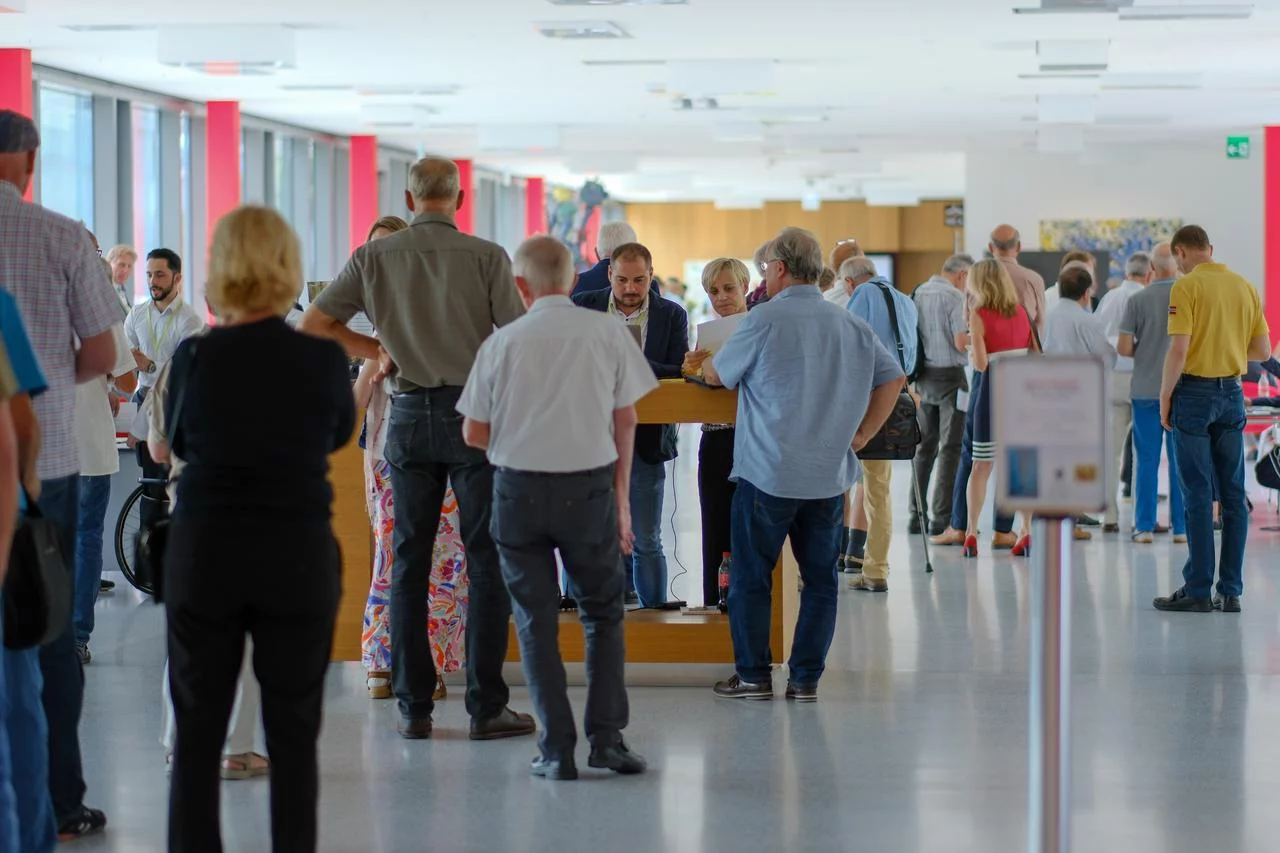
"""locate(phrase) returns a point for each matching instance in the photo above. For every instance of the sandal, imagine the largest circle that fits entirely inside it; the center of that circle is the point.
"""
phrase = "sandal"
(442, 692)
(247, 765)
(379, 684)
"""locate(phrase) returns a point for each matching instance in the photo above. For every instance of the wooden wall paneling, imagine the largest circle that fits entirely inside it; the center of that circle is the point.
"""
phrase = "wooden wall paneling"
(915, 268)
(924, 228)
(355, 537)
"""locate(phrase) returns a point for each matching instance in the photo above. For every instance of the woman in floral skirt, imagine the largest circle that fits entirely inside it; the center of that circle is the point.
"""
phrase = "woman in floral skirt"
(448, 588)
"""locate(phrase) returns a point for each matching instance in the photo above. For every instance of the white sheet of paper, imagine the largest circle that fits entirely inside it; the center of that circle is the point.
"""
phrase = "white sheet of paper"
(124, 420)
(713, 334)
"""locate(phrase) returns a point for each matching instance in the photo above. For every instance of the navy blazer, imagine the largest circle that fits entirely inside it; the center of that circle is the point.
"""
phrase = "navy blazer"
(665, 346)
(597, 278)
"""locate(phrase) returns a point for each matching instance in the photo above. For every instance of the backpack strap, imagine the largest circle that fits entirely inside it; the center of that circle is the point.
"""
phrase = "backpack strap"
(893, 321)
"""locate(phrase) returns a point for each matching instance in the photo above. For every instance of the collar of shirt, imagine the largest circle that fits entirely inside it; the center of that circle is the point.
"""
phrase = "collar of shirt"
(435, 219)
(637, 316)
(546, 303)
(799, 291)
(7, 188)
(1162, 281)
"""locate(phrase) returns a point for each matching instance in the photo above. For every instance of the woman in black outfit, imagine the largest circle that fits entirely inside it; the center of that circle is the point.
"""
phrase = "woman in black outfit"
(251, 551)
(725, 280)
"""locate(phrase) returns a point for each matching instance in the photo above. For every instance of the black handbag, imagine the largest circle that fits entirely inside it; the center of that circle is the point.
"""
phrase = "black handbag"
(898, 439)
(37, 589)
(153, 538)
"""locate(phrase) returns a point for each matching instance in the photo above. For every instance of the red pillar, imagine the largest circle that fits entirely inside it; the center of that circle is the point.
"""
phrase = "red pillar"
(363, 189)
(1271, 232)
(222, 166)
(467, 213)
(535, 206)
(17, 91)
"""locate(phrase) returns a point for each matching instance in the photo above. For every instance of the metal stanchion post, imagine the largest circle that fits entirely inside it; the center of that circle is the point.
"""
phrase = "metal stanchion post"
(1050, 729)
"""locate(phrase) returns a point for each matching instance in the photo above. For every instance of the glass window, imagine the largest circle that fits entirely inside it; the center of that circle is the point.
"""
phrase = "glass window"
(66, 152)
(184, 161)
(146, 181)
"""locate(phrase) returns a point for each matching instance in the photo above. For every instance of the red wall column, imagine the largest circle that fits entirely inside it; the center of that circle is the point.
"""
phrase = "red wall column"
(363, 190)
(1271, 232)
(535, 206)
(16, 89)
(222, 167)
(467, 213)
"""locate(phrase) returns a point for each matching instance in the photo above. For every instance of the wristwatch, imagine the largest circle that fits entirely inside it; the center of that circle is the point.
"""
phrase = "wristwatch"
(151, 368)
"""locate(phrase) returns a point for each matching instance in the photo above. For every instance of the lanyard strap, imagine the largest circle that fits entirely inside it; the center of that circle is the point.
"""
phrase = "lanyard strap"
(166, 325)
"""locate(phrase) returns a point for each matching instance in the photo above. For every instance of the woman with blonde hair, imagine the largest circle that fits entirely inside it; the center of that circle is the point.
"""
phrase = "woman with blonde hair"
(447, 593)
(251, 550)
(997, 324)
(726, 281)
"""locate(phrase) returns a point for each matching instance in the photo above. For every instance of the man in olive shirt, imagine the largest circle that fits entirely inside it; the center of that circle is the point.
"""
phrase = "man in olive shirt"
(434, 295)
(1215, 328)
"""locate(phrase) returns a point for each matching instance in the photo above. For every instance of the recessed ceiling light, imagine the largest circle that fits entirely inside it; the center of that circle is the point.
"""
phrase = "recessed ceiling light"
(581, 30)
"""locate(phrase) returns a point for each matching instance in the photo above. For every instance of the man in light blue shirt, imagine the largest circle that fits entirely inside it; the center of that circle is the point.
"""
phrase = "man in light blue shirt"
(814, 385)
(868, 558)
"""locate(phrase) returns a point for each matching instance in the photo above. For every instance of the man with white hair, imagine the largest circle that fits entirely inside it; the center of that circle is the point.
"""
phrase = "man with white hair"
(122, 259)
(560, 429)
(610, 236)
(1110, 311)
(815, 385)
(434, 295)
(853, 272)
(1144, 338)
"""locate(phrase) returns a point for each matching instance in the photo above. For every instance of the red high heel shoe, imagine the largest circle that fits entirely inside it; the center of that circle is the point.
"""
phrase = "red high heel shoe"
(971, 546)
(1023, 548)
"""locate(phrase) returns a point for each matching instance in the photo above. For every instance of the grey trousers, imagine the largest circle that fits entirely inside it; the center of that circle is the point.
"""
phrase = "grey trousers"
(534, 515)
(942, 432)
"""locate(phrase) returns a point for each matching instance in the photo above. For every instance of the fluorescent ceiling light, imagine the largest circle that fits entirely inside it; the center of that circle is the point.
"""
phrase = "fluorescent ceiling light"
(1152, 81)
(227, 50)
(1184, 10)
(1060, 139)
(396, 115)
(739, 203)
(518, 137)
(1057, 7)
(581, 30)
(1073, 54)
(721, 77)
(1066, 109)
(811, 202)
(603, 164)
(425, 91)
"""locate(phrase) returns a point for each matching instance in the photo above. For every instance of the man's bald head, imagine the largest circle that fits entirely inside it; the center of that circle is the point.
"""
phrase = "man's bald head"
(19, 140)
(1163, 261)
(1006, 242)
(543, 266)
(845, 250)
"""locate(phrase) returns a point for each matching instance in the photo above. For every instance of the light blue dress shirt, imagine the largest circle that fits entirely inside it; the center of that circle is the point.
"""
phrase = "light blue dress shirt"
(869, 305)
(804, 370)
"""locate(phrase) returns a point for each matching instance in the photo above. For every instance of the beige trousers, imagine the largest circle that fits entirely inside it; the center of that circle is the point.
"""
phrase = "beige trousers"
(879, 508)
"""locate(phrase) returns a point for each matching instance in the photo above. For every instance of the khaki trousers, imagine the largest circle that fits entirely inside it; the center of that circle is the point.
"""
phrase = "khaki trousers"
(875, 485)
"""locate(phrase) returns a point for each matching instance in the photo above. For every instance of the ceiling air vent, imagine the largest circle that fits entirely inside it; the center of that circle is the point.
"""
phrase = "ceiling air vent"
(581, 30)
(1196, 10)
(1059, 7)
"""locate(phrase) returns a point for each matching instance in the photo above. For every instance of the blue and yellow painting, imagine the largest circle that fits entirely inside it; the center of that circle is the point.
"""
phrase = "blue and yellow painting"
(1120, 237)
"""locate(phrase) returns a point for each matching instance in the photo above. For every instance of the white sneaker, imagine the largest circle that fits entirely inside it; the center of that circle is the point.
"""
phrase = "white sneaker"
(1144, 537)
(1180, 539)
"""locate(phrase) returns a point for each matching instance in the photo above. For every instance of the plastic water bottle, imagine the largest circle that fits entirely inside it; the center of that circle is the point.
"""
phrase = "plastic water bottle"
(722, 582)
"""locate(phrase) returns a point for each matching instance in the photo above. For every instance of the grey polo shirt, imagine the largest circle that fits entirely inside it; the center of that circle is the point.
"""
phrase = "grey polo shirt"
(1146, 317)
(433, 294)
(548, 386)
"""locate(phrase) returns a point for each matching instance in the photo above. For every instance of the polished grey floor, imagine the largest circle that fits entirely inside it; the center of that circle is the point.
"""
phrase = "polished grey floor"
(919, 741)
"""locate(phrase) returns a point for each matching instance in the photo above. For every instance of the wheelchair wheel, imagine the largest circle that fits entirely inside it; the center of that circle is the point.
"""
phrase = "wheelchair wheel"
(128, 524)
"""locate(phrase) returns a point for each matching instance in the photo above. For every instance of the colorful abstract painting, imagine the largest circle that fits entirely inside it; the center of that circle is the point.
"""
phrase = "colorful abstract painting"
(1120, 237)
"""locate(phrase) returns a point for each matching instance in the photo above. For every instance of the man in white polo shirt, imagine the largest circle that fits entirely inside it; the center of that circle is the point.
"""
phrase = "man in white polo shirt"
(551, 398)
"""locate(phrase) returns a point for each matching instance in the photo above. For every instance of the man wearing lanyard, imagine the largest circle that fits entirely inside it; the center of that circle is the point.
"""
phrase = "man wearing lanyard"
(154, 330)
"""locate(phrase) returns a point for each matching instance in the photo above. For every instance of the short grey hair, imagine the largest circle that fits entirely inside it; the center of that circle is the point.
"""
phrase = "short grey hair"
(858, 266)
(121, 251)
(762, 255)
(958, 263)
(434, 179)
(612, 235)
(1138, 265)
(545, 263)
(1163, 260)
(801, 252)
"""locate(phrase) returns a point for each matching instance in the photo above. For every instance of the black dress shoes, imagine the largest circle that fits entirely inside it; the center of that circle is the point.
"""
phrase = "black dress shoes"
(561, 770)
(915, 527)
(1227, 603)
(1180, 603)
(507, 723)
(617, 758)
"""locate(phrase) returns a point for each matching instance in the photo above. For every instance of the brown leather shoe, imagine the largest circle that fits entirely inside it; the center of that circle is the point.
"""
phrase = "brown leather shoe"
(1082, 535)
(414, 729)
(1003, 541)
(507, 723)
(866, 584)
(950, 536)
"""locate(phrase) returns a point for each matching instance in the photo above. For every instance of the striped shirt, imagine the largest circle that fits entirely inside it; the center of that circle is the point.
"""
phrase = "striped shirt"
(48, 263)
(942, 316)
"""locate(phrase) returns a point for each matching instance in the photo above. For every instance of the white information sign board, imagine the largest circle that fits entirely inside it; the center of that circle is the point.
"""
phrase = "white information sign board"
(1049, 420)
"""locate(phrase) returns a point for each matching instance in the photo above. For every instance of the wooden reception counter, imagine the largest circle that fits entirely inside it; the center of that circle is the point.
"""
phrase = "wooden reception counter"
(653, 636)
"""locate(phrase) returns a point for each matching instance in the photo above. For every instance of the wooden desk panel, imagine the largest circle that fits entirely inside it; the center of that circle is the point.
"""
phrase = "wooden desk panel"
(678, 402)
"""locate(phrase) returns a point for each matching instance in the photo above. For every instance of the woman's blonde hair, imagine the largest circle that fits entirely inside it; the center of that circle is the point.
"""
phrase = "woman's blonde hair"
(255, 263)
(387, 223)
(712, 271)
(991, 286)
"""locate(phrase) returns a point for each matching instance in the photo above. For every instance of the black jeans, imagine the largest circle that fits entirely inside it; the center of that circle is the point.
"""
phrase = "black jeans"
(942, 428)
(154, 497)
(715, 495)
(426, 452)
(277, 580)
(63, 694)
(534, 515)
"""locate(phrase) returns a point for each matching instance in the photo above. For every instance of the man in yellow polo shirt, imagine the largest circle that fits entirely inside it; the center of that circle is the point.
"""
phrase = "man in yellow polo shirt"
(1215, 327)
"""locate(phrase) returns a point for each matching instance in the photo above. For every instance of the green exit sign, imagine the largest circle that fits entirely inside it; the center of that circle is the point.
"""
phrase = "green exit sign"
(1237, 148)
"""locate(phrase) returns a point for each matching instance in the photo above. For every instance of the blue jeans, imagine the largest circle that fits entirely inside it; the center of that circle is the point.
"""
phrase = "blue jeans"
(1208, 420)
(26, 810)
(648, 563)
(63, 693)
(960, 493)
(761, 524)
(1148, 435)
(95, 494)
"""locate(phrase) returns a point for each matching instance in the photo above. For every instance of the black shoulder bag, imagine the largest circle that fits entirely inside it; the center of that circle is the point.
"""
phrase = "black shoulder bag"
(153, 538)
(37, 589)
(900, 435)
